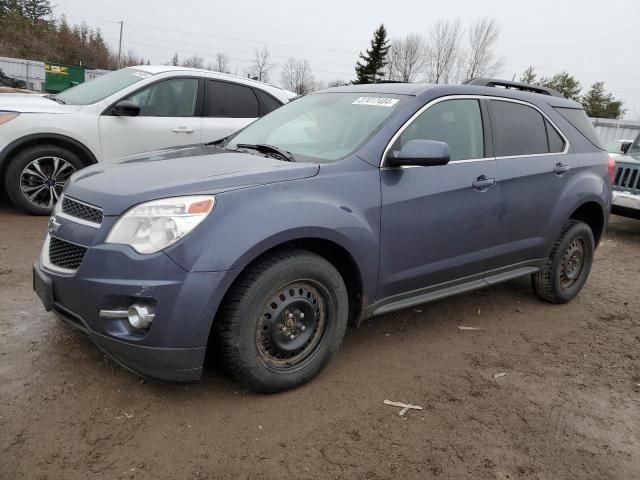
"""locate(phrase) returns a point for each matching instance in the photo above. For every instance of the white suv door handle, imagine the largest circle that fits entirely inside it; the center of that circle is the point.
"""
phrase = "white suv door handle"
(183, 130)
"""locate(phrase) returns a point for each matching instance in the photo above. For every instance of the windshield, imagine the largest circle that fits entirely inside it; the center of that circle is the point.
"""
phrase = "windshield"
(95, 90)
(323, 127)
(635, 148)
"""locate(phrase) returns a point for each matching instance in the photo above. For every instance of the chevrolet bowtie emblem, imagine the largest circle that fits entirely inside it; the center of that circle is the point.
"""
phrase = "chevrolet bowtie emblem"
(53, 225)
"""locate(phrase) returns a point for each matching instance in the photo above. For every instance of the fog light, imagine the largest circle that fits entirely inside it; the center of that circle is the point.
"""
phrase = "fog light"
(140, 316)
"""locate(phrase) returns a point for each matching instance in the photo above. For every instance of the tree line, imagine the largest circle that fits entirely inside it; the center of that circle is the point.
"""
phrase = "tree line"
(449, 52)
(27, 30)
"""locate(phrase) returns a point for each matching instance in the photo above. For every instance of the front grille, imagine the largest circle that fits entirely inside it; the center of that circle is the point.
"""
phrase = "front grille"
(627, 178)
(64, 254)
(82, 211)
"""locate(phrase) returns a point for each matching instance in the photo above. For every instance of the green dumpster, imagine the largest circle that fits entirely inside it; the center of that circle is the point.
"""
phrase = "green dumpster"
(59, 77)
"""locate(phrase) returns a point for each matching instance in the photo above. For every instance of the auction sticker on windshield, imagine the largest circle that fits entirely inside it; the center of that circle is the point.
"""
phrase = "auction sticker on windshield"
(376, 101)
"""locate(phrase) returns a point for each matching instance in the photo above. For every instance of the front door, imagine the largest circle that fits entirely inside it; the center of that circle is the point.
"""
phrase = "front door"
(437, 222)
(167, 118)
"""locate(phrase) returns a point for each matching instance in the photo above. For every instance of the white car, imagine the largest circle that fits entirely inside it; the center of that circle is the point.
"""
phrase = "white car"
(618, 147)
(45, 138)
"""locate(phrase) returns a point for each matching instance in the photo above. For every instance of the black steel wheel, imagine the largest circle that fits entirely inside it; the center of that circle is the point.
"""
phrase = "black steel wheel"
(568, 266)
(37, 175)
(283, 320)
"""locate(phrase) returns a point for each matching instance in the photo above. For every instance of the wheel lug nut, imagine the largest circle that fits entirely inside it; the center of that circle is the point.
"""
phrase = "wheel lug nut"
(302, 328)
(291, 336)
(301, 315)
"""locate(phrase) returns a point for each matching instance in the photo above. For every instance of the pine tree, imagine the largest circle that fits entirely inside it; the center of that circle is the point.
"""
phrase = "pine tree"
(372, 67)
(529, 76)
(175, 61)
(11, 7)
(599, 104)
(36, 10)
(564, 83)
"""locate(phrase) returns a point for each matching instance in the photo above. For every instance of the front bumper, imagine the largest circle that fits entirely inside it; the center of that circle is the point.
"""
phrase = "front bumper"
(113, 277)
(625, 204)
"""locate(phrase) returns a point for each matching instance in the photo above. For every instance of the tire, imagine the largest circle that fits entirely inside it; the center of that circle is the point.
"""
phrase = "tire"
(31, 189)
(568, 266)
(263, 311)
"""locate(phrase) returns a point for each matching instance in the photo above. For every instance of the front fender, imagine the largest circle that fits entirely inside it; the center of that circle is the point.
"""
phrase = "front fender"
(250, 221)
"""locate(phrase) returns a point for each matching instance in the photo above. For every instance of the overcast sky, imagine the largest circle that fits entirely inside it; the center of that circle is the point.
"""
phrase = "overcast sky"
(593, 40)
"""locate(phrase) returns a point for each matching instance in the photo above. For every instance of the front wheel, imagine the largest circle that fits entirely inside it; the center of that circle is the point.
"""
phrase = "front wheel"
(283, 321)
(36, 176)
(568, 266)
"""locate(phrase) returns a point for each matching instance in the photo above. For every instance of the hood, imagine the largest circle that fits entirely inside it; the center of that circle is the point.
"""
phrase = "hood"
(118, 186)
(29, 103)
(629, 158)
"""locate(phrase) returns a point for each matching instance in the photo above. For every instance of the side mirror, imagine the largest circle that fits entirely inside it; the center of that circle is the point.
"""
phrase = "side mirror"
(125, 108)
(423, 153)
(624, 148)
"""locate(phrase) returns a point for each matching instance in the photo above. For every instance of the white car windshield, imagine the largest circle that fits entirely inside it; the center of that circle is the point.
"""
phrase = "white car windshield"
(323, 127)
(95, 90)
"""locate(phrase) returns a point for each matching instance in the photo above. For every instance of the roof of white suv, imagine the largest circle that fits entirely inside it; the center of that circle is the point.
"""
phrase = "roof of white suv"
(157, 69)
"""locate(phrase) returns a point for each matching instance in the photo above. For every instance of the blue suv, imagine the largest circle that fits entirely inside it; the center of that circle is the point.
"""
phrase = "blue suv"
(347, 203)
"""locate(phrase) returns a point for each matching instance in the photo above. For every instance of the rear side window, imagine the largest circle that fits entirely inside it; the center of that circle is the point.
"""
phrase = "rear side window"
(455, 122)
(224, 99)
(517, 129)
(578, 118)
(269, 104)
(556, 143)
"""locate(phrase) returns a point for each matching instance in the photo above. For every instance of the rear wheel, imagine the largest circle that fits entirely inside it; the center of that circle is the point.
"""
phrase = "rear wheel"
(283, 321)
(36, 176)
(568, 266)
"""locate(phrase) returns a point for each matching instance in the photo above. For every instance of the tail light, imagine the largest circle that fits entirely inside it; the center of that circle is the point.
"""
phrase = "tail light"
(612, 170)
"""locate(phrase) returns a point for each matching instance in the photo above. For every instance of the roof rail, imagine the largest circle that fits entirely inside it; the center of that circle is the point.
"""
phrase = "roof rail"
(524, 87)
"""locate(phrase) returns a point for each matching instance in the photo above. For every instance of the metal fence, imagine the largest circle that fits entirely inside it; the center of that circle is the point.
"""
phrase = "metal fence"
(29, 71)
(609, 130)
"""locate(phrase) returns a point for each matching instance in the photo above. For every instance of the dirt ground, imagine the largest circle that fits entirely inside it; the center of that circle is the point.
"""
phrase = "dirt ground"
(568, 406)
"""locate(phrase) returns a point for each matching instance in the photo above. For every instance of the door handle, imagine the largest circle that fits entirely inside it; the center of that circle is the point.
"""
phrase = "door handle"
(561, 168)
(483, 183)
(183, 130)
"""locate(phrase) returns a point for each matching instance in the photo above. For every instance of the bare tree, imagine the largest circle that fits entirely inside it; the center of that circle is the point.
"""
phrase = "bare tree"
(196, 61)
(443, 51)
(262, 64)
(337, 82)
(407, 58)
(222, 63)
(296, 76)
(479, 58)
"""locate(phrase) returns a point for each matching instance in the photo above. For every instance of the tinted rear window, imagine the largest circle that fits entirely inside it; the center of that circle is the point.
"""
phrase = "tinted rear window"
(556, 143)
(578, 118)
(517, 129)
(224, 99)
(269, 103)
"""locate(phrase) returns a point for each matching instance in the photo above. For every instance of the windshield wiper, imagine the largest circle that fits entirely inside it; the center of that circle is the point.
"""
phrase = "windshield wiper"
(55, 99)
(265, 148)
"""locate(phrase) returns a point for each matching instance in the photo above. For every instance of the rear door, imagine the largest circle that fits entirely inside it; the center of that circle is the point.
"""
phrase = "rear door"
(228, 107)
(534, 168)
(168, 117)
(437, 222)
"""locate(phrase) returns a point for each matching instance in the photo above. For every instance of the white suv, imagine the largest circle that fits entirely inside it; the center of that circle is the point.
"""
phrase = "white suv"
(44, 139)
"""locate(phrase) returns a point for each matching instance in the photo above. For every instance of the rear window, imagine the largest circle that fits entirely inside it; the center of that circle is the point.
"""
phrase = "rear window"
(269, 103)
(578, 118)
(225, 99)
(517, 129)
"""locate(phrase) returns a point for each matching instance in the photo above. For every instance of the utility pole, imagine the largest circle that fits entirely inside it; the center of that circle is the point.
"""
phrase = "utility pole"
(120, 44)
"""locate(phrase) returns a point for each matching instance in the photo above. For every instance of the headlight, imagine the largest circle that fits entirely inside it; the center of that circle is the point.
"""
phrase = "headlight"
(152, 226)
(7, 116)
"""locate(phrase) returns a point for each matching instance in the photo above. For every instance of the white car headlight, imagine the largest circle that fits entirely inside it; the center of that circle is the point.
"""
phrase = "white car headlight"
(152, 226)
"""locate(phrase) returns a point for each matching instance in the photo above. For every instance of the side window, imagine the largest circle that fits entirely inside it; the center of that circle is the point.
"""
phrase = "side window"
(168, 98)
(556, 143)
(517, 129)
(224, 99)
(269, 104)
(456, 122)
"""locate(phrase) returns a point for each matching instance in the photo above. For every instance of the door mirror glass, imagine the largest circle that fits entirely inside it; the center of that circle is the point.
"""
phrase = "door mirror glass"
(421, 153)
(624, 148)
(125, 108)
